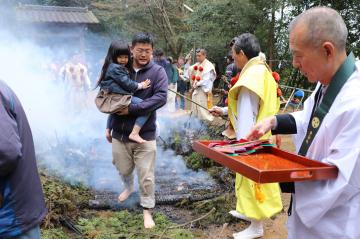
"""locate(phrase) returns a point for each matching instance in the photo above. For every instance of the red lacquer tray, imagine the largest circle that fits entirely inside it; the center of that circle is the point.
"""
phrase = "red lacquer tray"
(270, 164)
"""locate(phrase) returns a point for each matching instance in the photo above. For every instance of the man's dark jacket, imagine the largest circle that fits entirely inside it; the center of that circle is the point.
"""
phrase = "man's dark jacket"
(22, 204)
(153, 98)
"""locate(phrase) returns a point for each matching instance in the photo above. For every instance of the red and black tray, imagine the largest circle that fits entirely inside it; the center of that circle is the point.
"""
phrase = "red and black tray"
(268, 164)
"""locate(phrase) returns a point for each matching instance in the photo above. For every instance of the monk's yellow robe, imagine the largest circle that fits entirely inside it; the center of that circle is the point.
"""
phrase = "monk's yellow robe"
(256, 201)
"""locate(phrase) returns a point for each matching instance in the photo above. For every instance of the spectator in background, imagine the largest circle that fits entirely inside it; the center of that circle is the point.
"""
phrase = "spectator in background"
(159, 59)
(202, 75)
(188, 62)
(181, 85)
(217, 77)
(231, 69)
(171, 100)
(76, 82)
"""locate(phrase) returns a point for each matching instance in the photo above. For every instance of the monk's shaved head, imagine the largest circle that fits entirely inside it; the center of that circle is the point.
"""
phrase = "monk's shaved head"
(322, 24)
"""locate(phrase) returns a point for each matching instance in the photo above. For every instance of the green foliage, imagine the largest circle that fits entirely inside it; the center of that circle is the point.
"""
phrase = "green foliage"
(67, 3)
(165, 19)
(223, 204)
(128, 225)
(196, 161)
(62, 200)
(213, 24)
(54, 233)
(111, 15)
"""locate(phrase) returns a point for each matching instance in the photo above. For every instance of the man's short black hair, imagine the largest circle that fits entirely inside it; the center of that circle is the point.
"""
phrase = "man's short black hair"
(143, 37)
(248, 43)
(201, 50)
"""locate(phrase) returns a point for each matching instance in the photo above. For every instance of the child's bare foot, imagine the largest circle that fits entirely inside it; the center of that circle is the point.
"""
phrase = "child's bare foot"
(136, 138)
(148, 220)
(124, 195)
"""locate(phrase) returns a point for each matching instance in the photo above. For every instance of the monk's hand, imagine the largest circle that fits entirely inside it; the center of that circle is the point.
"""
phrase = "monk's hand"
(124, 111)
(278, 141)
(216, 111)
(275, 139)
(261, 128)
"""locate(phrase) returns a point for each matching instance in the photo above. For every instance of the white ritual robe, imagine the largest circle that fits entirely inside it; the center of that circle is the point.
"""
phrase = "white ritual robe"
(200, 96)
(247, 110)
(207, 81)
(330, 209)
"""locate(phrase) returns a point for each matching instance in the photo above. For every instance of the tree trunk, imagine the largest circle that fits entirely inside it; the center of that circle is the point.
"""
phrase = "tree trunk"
(272, 35)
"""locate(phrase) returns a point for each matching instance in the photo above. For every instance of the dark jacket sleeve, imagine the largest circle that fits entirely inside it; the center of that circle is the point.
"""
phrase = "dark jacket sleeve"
(109, 122)
(286, 124)
(122, 78)
(157, 100)
(10, 144)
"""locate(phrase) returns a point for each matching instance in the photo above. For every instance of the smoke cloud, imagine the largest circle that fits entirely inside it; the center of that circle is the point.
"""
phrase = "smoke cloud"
(70, 140)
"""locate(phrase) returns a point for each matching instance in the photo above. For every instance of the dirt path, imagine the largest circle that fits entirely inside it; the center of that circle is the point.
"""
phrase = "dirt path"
(274, 228)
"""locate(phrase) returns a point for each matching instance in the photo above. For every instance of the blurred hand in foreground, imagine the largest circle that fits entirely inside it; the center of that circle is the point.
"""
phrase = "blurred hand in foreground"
(261, 128)
(216, 111)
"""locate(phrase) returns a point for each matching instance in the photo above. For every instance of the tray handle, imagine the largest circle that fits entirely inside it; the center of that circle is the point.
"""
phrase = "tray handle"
(301, 174)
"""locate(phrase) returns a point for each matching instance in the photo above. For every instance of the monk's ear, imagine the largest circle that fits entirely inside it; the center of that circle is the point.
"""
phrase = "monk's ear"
(329, 49)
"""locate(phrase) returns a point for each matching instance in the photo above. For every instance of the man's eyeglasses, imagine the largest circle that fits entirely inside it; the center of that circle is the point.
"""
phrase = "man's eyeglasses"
(146, 51)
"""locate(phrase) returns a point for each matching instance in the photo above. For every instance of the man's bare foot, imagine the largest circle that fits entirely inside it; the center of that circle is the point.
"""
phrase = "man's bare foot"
(124, 195)
(136, 138)
(148, 220)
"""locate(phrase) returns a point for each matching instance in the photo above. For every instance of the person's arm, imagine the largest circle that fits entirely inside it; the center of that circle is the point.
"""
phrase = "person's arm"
(157, 100)
(10, 144)
(108, 129)
(109, 122)
(247, 111)
(218, 111)
(285, 124)
(122, 78)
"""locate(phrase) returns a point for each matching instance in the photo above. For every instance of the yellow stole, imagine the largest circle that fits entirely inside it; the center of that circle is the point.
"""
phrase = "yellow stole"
(256, 76)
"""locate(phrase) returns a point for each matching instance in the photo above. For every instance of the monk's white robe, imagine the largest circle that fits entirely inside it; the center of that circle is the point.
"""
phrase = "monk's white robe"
(200, 96)
(330, 209)
(247, 108)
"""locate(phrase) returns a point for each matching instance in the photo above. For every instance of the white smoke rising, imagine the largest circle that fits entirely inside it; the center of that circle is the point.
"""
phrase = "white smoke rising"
(64, 137)
(70, 141)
